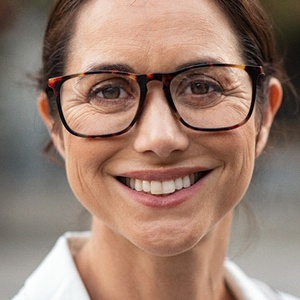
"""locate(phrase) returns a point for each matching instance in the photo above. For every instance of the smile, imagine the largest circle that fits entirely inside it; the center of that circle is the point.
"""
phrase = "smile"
(160, 188)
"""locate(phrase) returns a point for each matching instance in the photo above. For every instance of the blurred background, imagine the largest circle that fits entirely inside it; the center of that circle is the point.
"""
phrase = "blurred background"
(37, 206)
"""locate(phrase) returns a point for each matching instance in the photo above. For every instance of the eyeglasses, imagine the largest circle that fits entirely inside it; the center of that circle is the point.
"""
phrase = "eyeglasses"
(105, 103)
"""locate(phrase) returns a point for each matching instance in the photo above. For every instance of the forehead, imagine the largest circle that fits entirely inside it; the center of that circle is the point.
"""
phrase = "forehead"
(151, 35)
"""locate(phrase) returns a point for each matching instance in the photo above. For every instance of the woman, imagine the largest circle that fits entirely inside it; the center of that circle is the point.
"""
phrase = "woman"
(160, 159)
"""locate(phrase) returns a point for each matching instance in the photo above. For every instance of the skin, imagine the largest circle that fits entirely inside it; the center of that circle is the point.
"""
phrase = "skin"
(136, 251)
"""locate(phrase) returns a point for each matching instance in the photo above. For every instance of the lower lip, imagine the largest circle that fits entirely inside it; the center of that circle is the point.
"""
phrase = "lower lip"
(167, 201)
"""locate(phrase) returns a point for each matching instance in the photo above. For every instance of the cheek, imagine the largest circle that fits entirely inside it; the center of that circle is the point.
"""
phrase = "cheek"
(85, 162)
(238, 155)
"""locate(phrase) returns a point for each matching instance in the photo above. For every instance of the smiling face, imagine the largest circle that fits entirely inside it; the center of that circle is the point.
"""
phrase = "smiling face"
(161, 186)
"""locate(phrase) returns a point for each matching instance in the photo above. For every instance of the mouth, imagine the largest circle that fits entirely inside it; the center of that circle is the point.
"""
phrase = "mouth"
(162, 188)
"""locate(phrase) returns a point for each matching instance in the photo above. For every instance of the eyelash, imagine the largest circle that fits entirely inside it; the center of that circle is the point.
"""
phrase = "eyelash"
(102, 87)
(211, 83)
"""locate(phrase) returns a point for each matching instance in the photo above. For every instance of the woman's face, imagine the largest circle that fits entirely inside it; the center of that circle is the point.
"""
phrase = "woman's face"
(157, 36)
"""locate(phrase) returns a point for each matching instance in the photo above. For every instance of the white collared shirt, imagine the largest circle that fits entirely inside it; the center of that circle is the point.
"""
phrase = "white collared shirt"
(57, 277)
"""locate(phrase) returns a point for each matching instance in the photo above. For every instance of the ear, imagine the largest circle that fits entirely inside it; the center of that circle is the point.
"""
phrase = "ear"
(55, 134)
(274, 102)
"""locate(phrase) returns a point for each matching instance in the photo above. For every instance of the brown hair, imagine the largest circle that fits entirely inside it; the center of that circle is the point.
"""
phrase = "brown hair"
(254, 30)
(252, 25)
(58, 33)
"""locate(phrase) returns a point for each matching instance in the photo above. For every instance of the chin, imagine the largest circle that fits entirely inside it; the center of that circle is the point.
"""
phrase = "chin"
(167, 243)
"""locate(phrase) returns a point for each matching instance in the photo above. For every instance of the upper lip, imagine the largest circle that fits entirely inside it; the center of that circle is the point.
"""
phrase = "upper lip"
(161, 174)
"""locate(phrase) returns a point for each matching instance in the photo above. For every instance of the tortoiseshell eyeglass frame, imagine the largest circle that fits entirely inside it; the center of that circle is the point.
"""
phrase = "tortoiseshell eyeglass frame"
(254, 73)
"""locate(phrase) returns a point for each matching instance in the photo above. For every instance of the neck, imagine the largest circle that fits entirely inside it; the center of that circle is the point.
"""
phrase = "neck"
(113, 268)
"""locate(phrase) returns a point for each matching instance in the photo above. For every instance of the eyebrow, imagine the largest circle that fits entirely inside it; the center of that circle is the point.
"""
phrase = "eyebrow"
(203, 61)
(127, 69)
(110, 67)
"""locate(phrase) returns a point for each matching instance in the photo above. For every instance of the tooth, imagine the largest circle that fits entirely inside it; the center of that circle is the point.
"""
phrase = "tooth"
(146, 186)
(156, 188)
(168, 187)
(138, 185)
(165, 187)
(186, 181)
(178, 184)
(132, 183)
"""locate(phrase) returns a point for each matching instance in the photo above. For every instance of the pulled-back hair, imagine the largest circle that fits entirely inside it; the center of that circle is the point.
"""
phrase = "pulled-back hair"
(59, 30)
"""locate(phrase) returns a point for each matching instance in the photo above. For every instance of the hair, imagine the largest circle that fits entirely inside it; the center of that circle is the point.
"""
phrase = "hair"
(59, 31)
(250, 21)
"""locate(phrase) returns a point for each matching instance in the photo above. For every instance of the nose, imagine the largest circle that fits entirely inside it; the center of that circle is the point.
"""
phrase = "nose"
(158, 130)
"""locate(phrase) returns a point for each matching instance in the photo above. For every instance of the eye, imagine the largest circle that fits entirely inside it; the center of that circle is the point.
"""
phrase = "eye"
(110, 91)
(199, 88)
(196, 90)
(104, 87)
(113, 94)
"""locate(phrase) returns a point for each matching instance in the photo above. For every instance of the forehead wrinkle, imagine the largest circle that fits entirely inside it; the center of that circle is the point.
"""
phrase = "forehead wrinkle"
(95, 44)
(150, 38)
(166, 22)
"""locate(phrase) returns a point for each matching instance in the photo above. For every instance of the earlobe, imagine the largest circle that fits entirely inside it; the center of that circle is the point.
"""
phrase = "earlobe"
(56, 137)
(274, 102)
